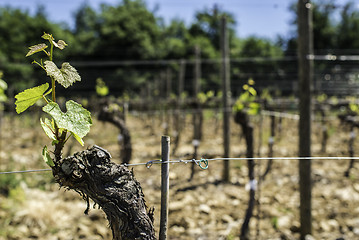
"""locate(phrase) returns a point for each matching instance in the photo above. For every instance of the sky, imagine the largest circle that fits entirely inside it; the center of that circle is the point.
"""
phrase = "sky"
(262, 18)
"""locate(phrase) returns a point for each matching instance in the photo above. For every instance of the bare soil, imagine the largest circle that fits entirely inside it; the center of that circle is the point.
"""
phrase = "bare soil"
(203, 208)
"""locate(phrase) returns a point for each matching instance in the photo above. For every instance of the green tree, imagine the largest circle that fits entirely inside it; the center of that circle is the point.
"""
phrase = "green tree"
(175, 37)
(324, 27)
(128, 31)
(122, 32)
(258, 62)
(348, 27)
(208, 24)
(17, 30)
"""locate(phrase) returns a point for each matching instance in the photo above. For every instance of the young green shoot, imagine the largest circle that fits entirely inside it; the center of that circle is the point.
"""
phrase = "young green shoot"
(76, 121)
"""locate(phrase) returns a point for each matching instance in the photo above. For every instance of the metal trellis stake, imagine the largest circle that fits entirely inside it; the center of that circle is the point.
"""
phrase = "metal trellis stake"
(165, 156)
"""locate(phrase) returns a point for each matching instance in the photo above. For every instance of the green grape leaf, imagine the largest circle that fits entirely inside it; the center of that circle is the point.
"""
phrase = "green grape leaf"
(48, 128)
(76, 120)
(253, 108)
(61, 44)
(46, 156)
(36, 48)
(253, 111)
(252, 91)
(78, 138)
(70, 74)
(66, 76)
(3, 84)
(353, 107)
(238, 106)
(29, 97)
(3, 97)
(47, 36)
(244, 97)
(53, 71)
(102, 90)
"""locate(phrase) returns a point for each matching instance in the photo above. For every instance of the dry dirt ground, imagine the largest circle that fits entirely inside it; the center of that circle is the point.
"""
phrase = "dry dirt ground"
(33, 206)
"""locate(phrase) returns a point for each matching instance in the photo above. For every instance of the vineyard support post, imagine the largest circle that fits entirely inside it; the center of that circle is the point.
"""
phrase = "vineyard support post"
(226, 97)
(165, 156)
(305, 66)
(197, 71)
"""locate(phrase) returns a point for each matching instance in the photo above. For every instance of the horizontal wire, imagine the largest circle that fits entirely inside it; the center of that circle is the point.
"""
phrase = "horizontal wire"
(148, 164)
(173, 161)
(27, 171)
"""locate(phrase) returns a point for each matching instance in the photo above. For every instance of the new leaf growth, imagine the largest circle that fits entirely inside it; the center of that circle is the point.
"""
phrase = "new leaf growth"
(76, 121)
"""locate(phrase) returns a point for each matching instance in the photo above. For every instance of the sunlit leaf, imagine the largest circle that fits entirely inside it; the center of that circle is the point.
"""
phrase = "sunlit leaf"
(253, 111)
(29, 97)
(210, 94)
(353, 107)
(101, 88)
(46, 156)
(48, 128)
(78, 139)
(251, 82)
(53, 71)
(252, 91)
(244, 97)
(238, 106)
(253, 108)
(36, 48)
(47, 36)
(70, 75)
(61, 44)
(66, 76)
(3, 84)
(76, 120)
(254, 105)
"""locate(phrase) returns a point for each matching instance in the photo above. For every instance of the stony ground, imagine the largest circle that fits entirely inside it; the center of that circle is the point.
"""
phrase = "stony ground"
(33, 206)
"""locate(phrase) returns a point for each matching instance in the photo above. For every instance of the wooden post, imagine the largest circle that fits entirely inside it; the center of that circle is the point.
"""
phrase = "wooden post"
(168, 83)
(181, 77)
(165, 156)
(226, 97)
(178, 117)
(305, 66)
(351, 150)
(197, 71)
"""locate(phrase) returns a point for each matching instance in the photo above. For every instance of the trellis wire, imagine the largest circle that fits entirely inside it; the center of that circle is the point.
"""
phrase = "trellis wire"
(291, 116)
(203, 162)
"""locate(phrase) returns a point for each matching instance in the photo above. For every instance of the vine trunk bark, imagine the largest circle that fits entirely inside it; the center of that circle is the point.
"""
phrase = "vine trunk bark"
(247, 129)
(112, 187)
(114, 117)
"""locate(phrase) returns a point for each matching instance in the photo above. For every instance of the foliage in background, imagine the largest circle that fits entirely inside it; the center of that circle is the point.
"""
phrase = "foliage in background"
(3, 87)
(19, 29)
(124, 31)
(247, 100)
(129, 30)
(101, 88)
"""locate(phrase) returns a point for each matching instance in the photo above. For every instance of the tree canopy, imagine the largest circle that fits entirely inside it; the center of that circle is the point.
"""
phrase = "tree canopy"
(128, 32)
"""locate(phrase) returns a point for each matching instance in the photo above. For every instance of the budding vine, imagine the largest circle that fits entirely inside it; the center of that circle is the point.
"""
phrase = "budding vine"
(76, 121)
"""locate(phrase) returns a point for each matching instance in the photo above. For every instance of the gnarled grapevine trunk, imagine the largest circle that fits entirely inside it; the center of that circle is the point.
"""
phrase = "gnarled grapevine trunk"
(112, 187)
(115, 118)
(243, 119)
